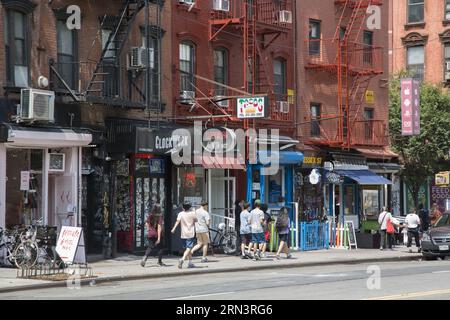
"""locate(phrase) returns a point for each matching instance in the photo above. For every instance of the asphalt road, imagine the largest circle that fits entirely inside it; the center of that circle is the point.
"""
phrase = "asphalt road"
(397, 281)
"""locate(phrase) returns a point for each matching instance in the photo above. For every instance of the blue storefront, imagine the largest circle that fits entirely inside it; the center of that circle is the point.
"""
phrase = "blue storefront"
(274, 189)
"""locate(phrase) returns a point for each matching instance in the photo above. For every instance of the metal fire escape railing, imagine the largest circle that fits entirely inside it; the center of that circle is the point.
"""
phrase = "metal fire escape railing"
(355, 64)
(115, 43)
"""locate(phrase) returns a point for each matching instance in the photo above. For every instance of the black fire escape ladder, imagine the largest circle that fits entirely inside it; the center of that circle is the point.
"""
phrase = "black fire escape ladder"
(118, 37)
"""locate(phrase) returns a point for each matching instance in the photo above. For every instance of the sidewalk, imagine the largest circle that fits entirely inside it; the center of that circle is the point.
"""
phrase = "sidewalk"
(128, 267)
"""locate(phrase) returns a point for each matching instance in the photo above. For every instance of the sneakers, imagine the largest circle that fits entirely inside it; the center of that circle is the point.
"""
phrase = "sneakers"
(180, 263)
(244, 257)
(191, 265)
(204, 260)
(289, 256)
(277, 257)
(257, 257)
(262, 255)
(143, 263)
(161, 264)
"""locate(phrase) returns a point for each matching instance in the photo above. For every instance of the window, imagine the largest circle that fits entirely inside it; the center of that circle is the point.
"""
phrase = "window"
(368, 47)
(447, 9)
(252, 77)
(111, 70)
(315, 119)
(416, 61)
(154, 66)
(16, 47)
(220, 70)
(415, 11)
(67, 64)
(447, 61)
(279, 71)
(187, 67)
(349, 200)
(314, 37)
(368, 117)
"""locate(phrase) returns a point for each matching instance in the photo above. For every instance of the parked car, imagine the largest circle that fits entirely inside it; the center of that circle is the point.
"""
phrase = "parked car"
(436, 241)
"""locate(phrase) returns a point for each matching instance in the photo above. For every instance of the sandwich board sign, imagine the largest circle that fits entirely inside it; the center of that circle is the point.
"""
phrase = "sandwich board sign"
(351, 235)
(70, 246)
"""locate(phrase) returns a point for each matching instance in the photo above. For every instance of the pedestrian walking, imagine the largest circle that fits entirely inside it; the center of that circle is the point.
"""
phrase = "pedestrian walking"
(202, 230)
(154, 225)
(238, 208)
(424, 218)
(256, 221)
(245, 230)
(412, 222)
(266, 227)
(187, 218)
(384, 219)
(282, 225)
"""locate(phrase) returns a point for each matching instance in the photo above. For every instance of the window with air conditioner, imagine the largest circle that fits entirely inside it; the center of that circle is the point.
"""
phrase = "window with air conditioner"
(221, 5)
(221, 76)
(283, 106)
(285, 16)
(37, 105)
(190, 2)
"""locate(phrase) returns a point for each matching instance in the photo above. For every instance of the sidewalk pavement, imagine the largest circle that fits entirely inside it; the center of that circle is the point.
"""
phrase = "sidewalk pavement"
(129, 268)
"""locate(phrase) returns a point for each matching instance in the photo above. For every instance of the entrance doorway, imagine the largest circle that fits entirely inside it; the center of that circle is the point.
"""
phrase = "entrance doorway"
(221, 197)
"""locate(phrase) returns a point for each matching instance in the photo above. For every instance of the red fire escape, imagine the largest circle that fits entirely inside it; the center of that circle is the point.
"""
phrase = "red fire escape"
(355, 64)
(259, 23)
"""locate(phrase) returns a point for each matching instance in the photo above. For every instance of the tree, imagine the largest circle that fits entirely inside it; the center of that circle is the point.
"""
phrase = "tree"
(427, 153)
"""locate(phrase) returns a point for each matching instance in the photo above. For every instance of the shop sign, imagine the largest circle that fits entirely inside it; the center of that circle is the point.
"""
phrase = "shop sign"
(190, 180)
(334, 178)
(443, 179)
(410, 93)
(159, 141)
(252, 107)
(70, 246)
(24, 180)
(370, 97)
(313, 161)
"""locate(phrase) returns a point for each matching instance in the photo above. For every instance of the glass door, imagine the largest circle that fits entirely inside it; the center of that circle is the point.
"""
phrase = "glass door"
(222, 196)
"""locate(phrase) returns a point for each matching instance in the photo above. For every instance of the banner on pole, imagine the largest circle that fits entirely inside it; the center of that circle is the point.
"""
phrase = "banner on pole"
(410, 94)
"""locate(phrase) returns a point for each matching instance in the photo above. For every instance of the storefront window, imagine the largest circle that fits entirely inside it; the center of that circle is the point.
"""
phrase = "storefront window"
(371, 203)
(191, 185)
(349, 200)
(274, 187)
(24, 186)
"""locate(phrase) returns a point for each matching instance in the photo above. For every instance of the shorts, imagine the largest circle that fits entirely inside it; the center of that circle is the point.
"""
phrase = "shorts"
(246, 238)
(188, 243)
(284, 237)
(203, 238)
(258, 238)
(267, 236)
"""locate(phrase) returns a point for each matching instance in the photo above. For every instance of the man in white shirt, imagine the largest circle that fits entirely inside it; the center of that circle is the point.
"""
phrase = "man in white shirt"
(187, 220)
(412, 222)
(202, 230)
(383, 219)
(256, 220)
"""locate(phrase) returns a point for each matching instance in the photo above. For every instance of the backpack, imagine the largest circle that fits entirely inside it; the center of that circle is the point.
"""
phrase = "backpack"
(282, 220)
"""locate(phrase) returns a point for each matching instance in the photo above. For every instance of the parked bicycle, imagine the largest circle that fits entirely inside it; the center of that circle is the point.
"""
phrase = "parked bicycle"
(225, 240)
(7, 245)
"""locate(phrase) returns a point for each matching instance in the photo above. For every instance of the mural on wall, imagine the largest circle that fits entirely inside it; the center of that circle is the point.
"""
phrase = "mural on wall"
(423, 198)
(123, 202)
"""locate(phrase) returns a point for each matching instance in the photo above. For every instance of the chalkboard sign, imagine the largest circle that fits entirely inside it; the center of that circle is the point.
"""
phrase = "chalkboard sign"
(351, 235)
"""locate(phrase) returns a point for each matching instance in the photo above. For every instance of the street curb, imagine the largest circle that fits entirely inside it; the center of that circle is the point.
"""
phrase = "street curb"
(87, 282)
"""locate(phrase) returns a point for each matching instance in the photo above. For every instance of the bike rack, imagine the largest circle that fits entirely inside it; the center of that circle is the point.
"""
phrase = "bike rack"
(40, 271)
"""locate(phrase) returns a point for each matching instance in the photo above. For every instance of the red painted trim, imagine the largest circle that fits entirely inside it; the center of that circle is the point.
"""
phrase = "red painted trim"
(143, 156)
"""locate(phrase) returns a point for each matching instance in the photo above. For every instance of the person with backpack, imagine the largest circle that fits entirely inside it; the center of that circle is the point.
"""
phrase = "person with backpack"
(266, 227)
(282, 225)
(154, 224)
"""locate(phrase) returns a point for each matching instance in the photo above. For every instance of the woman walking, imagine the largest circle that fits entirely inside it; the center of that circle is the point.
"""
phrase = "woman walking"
(154, 224)
(282, 226)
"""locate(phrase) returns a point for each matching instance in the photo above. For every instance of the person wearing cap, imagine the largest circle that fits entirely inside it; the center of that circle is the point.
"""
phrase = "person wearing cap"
(202, 230)
(187, 219)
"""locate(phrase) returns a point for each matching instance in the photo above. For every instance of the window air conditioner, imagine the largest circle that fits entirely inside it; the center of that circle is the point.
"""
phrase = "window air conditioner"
(221, 5)
(139, 57)
(187, 97)
(447, 76)
(36, 105)
(283, 106)
(56, 162)
(186, 1)
(222, 101)
(285, 16)
(447, 66)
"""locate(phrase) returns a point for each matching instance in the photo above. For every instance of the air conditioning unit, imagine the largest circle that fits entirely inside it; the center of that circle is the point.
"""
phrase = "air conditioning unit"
(36, 105)
(222, 101)
(283, 106)
(56, 162)
(221, 5)
(186, 1)
(447, 76)
(447, 66)
(285, 16)
(138, 57)
(187, 97)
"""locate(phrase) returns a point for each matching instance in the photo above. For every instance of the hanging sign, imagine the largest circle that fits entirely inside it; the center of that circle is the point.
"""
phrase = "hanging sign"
(70, 246)
(24, 180)
(443, 179)
(314, 177)
(370, 97)
(410, 93)
(252, 107)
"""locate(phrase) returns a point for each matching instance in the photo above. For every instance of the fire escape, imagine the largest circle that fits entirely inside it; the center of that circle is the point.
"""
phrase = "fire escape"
(258, 23)
(354, 64)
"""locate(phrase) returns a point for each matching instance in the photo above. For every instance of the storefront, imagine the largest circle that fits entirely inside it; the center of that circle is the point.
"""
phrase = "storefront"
(40, 175)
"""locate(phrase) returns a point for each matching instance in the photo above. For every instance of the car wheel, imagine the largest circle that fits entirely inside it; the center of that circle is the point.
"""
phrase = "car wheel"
(429, 258)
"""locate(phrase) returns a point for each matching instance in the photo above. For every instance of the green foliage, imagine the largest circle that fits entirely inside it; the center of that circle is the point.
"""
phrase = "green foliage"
(425, 154)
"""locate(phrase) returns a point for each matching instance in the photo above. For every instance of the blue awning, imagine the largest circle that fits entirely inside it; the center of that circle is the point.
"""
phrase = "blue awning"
(284, 157)
(364, 177)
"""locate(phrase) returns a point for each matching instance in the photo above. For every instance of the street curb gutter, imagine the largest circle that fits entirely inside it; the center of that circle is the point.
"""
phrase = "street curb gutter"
(106, 279)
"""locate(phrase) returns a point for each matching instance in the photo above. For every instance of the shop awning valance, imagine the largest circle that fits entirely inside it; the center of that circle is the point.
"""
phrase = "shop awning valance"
(38, 137)
(220, 162)
(364, 177)
(284, 157)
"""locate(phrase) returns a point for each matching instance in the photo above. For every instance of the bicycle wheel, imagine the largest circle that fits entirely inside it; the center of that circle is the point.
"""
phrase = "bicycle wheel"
(25, 254)
(228, 243)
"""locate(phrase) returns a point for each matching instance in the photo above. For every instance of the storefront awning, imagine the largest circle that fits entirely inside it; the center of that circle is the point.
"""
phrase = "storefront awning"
(284, 157)
(220, 162)
(364, 177)
(32, 137)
